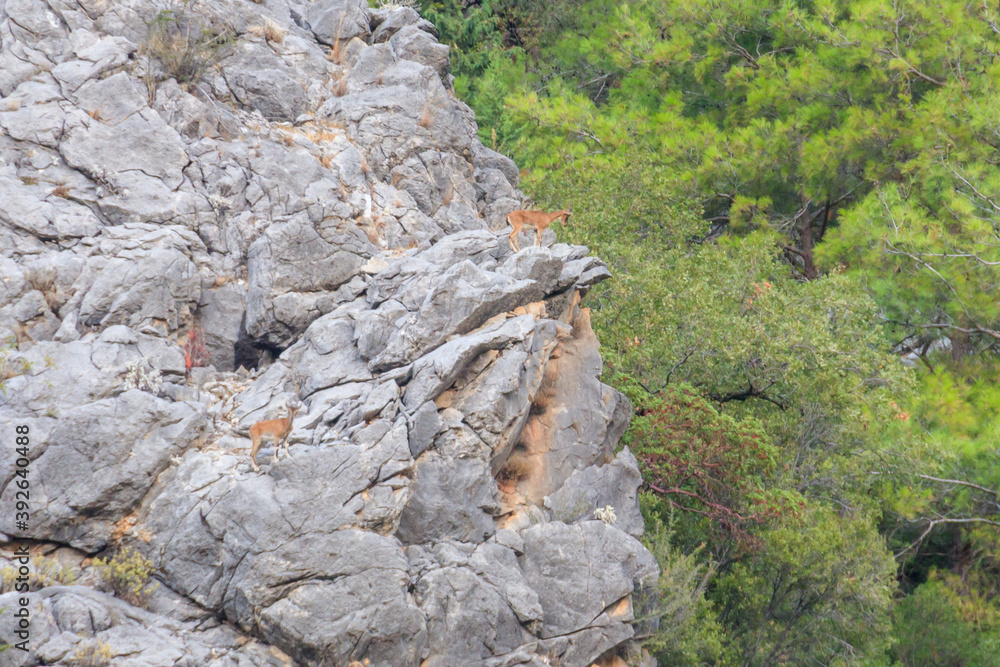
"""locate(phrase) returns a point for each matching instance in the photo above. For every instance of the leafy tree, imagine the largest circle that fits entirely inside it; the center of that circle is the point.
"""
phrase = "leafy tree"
(708, 464)
(819, 592)
(932, 631)
(806, 359)
(869, 125)
(675, 622)
(485, 69)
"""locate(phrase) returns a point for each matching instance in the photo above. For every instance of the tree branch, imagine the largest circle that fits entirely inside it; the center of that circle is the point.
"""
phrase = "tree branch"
(994, 492)
(934, 522)
(746, 394)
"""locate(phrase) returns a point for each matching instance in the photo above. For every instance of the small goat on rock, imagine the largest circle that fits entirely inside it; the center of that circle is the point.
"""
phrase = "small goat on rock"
(537, 220)
(278, 428)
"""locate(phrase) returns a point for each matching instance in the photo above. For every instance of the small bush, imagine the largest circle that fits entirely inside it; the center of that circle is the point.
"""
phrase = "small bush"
(427, 115)
(674, 621)
(128, 574)
(137, 377)
(107, 183)
(195, 352)
(514, 470)
(544, 396)
(184, 47)
(91, 653)
(219, 203)
(269, 30)
(46, 572)
(606, 514)
(44, 280)
(569, 512)
(931, 628)
(9, 366)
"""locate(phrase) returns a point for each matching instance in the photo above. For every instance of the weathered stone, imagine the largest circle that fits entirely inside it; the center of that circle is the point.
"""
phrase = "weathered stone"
(98, 461)
(335, 21)
(70, 375)
(67, 622)
(145, 276)
(293, 274)
(468, 620)
(466, 297)
(413, 43)
(580, 571)
(438, 370)
(450, 498)
(61, 219)
(315, 199)
(260, 80)
(140, 142)
(220, 315)
(424, 426)
(614, 485)
(388, 22)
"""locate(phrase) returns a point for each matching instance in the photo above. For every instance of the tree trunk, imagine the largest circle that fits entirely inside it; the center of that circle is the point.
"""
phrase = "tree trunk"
(806, 246)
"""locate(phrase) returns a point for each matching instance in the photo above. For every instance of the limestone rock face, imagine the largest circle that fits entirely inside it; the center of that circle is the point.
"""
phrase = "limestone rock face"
(291, 187)
(69, 621)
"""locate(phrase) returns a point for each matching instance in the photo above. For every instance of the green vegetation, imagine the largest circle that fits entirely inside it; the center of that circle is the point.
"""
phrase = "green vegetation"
(45, 572)
(675, 621)
(792, 197)
(184, 46)
(11, 366)
(91, 653)
(128, 574)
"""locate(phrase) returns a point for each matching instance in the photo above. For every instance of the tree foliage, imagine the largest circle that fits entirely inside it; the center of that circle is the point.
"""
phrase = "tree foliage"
(708, 464)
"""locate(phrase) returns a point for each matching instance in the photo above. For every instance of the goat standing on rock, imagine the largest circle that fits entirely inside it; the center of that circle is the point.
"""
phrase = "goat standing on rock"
(279, 428)
(537, 220)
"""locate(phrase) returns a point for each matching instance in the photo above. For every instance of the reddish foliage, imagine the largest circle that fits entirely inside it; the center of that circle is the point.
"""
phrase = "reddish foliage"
(702, 462)
(195, 352)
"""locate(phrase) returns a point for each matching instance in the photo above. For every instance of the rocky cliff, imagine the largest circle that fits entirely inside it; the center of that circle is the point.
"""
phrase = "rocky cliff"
(291, 187)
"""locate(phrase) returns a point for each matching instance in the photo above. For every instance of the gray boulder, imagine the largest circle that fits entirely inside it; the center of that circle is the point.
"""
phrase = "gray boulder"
(99, 460)
(553, 555)
(69, 623)
(293, 274)
(308, 191)
(335, 21)
(450, 499)
(262, 81)
(413, 42)
(144, 276)
(614, 485)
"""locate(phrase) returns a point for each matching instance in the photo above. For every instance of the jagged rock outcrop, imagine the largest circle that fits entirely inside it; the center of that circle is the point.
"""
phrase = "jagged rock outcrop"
(69, 623)
(293, 185)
